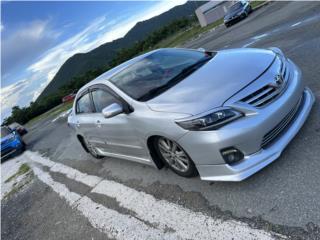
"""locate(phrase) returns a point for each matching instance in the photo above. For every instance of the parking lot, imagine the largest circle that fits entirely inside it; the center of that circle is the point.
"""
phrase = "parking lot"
(74, 196)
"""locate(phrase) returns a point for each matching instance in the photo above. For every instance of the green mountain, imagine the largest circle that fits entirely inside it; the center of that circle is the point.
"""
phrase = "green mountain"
(100, 57)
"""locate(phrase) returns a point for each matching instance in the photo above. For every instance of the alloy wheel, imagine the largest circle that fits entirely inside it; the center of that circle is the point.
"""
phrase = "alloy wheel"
(174, 155)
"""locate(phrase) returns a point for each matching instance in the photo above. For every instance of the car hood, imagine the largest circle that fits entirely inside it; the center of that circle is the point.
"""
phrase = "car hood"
(6, 139)
(215, 82)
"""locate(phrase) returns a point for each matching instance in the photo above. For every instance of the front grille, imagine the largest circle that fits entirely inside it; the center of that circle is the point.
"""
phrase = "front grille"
(272, 135)
(262, 97)
(268, 93)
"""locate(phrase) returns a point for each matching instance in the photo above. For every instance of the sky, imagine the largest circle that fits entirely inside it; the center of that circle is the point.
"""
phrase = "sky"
(38, 37)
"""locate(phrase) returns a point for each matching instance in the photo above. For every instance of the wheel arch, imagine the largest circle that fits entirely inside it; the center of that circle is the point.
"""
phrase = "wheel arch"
(153, 153)
(81, 140)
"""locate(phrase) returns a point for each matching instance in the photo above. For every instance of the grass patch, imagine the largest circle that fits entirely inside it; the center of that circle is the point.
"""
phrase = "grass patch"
(22, 170)
(195, 30)
(255, 4)
(51, 113)
(18, 186)
(186, 34)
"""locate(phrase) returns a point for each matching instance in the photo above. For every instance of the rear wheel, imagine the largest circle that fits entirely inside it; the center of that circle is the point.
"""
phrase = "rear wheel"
(92, 150)
(175, 157)
(23, 146)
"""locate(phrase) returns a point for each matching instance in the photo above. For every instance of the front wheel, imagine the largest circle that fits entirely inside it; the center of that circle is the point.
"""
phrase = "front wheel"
(175, 157)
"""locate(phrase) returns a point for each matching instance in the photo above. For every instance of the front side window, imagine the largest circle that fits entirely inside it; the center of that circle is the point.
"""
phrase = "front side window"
(102, 99)
(155, 71)
(84, 104)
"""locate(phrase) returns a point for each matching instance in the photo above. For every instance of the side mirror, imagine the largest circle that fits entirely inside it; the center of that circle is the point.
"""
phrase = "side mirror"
(112, 110)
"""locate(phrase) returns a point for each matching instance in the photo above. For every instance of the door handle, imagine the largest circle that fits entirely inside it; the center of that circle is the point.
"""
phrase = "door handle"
(98, 123)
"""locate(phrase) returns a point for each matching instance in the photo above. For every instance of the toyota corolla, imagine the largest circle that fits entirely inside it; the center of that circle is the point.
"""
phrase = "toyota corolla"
(223, 115)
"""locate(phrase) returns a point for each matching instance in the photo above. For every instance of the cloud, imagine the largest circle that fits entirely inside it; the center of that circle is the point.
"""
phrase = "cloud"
(11, 95)
(41, 72)
(25, 44)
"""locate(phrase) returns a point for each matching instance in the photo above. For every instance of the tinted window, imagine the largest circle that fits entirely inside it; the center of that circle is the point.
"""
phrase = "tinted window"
(84, 104)
(102, 99)
(5, 131)
(236, 6)
(155, 70)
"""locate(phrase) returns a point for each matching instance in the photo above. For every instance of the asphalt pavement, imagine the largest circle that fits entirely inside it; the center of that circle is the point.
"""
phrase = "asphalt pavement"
(284, 197)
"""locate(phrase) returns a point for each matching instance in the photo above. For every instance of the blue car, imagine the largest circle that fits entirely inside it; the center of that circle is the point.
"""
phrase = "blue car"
(11, 143)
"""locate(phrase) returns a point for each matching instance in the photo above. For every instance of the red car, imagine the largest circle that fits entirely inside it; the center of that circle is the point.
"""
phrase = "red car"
(68, 98)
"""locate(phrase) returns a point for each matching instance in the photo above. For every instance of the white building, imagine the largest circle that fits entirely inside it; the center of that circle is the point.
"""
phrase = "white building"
(212, 11)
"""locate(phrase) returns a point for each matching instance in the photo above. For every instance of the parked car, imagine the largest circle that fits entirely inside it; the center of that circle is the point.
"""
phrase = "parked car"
(11, 143)
(18, 128)
(224, 115)
(69, 97)
(237, 12)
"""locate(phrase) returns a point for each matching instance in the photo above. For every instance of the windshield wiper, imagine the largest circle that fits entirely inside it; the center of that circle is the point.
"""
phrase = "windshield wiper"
(173, 81)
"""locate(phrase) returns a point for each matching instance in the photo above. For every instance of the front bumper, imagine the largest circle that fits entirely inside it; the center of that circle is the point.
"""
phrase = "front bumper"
(247, 134)
(254, 162)
(11, 148)
(234, 19)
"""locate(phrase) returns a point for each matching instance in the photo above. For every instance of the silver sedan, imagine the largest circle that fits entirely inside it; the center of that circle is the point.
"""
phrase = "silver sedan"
(223, 115)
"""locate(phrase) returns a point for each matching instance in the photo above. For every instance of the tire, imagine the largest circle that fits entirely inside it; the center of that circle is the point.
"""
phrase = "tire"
(92, 150)
(174, 156)
(23, 146)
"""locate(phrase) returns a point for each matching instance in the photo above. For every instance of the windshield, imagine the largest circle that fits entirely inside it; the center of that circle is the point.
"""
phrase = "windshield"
(4, 132)
(155, 71)
(235, 7)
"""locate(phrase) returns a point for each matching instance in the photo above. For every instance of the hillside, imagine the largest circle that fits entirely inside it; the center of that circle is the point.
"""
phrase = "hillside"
(102, 55)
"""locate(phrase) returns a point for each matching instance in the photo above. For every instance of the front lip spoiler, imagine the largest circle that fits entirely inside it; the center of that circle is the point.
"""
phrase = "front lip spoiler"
(9, 153)
(255, 162)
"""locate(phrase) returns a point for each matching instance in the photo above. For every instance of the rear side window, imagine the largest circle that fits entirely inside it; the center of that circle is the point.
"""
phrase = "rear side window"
(102, 99)
(84, 104)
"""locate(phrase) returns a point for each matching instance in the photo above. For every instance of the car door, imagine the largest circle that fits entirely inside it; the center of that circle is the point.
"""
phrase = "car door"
(118, 133)
(84, 121)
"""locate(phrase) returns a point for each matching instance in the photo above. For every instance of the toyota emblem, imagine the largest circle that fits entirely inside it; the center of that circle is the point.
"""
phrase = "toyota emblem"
(278, 79)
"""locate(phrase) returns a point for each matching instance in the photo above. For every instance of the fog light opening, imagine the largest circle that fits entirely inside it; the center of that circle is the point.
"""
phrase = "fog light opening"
(232, 155)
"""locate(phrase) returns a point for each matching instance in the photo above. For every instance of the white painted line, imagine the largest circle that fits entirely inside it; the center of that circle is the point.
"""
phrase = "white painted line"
(59, 188)
(182, 222)
(114, 224)
(248, 44)
(71, 173)
(76, 175)
(260, 36)
(186, 224)
(8, 169)
(296, 24)
(63, 114)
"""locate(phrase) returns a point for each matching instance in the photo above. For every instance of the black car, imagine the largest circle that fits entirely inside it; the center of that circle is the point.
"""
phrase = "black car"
(237, 12)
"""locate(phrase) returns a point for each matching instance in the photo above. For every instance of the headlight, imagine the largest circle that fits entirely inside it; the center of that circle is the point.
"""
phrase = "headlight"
(12, 137)
(210, 121)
